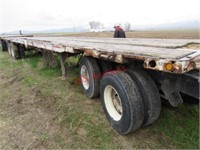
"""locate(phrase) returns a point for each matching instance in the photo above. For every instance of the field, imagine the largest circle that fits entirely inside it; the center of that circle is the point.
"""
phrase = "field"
(171, 34)
(39, 109)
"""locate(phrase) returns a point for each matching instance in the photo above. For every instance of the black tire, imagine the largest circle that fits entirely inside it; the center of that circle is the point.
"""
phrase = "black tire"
(4, 46)
(14, 51)
(131, 104)
(1, 45)
(150, 95)
(94, 76)
(21, 50)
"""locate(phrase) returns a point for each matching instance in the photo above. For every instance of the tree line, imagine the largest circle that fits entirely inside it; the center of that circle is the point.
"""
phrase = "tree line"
(99, 25)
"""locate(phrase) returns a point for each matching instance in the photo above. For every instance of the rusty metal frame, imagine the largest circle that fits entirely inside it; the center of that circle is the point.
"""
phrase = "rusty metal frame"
(180, 66)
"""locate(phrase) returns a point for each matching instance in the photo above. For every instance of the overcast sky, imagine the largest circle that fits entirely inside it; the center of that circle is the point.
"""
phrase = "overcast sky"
(53, 14)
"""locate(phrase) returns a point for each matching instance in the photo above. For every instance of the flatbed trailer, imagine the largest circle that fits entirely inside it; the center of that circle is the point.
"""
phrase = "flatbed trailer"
(130, 96)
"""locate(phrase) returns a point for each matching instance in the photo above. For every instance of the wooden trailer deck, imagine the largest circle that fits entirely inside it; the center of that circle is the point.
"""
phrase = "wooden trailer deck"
(155, 53)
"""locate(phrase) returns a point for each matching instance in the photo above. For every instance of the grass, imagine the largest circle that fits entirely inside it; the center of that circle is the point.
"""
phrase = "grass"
(181, 125)
(168, 34)
(80, 122)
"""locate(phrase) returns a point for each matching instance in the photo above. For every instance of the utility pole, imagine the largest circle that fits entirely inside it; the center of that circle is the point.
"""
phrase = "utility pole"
(74, 27)
(20, 32)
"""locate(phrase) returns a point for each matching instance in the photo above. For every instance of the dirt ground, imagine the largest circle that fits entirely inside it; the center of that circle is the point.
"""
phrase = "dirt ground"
(41, 110)
(21, 116)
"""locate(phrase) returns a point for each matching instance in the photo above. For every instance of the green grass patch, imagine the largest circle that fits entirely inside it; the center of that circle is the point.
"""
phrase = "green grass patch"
(49, 72)
(181, 125)
(45, 136)
(38, 64)
(33, 60)
(94, 132)
(30, 81)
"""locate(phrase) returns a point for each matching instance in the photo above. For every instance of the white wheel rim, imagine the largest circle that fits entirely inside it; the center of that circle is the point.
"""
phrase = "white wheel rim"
(9, 51)
(12, 53)
(85, 77)
(113, 103)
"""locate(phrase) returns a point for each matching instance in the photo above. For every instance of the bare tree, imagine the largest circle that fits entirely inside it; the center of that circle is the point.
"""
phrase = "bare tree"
(95, 24)
(92, 24)
(127, 26)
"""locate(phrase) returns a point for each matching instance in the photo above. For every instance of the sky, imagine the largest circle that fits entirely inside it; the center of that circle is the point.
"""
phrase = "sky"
(36, 15)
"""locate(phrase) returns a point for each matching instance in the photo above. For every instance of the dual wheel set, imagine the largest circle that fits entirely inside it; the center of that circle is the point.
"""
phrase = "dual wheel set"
(17, 51)
(130, 98)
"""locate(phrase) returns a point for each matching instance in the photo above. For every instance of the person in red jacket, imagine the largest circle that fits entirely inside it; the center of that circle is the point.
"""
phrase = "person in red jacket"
(119, 32)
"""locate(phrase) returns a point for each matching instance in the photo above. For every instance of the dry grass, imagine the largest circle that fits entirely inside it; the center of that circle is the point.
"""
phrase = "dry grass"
(167, 34)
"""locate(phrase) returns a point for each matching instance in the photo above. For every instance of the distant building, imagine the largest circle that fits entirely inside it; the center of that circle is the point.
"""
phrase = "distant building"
(98, 30)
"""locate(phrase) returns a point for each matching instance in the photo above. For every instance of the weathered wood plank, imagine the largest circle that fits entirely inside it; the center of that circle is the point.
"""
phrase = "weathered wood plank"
(104, 45)
(164, 43)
